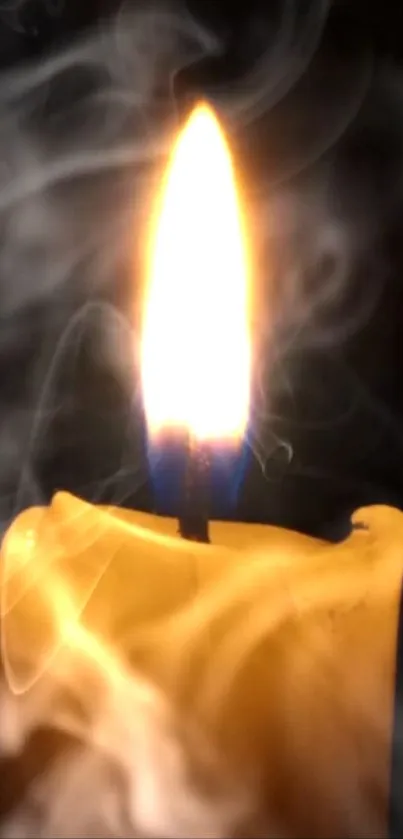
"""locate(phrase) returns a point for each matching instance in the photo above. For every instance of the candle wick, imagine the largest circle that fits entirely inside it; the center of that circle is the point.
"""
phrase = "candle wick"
(194, 518)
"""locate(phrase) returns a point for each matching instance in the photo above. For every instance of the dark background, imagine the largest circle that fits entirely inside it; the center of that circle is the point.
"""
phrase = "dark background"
(336, 466)
(40, 30)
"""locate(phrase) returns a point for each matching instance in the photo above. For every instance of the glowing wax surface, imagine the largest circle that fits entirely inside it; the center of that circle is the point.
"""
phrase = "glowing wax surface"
(312, 703)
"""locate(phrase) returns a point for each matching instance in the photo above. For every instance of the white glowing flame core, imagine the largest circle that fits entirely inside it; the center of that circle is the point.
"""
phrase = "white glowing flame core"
(196, 345)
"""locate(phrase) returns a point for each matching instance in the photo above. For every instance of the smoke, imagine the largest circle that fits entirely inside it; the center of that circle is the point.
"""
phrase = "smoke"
(128, 776)
(80, 133)
(83, 133)
(135, 767)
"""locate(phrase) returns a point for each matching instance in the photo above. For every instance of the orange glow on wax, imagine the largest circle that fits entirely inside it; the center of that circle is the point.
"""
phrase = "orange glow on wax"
(196, 341)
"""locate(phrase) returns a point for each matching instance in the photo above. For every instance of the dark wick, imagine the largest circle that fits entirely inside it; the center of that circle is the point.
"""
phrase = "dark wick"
(194, 519)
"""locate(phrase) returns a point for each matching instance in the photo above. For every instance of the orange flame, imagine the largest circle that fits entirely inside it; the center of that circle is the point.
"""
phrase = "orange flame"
(196, 343)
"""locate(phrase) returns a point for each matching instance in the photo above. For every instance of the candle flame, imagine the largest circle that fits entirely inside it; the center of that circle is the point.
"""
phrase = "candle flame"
(196, 344)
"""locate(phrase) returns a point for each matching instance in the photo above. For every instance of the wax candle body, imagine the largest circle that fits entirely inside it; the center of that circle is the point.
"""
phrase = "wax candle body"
(292, 641)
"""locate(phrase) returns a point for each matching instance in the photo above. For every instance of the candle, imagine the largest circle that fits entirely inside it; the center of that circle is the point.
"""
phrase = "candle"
(281, 646)
(293, 642)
